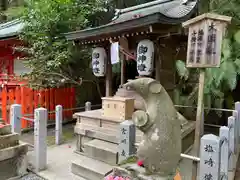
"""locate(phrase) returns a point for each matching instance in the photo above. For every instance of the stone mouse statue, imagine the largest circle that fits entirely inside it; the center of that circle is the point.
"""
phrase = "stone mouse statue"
(160, 148)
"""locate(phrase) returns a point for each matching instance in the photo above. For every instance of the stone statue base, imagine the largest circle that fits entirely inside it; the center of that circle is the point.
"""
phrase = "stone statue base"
(130, 169)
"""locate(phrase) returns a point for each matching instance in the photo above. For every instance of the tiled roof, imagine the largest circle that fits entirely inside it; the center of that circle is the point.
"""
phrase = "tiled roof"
(11, 28)
(159, 11)
(168, 8)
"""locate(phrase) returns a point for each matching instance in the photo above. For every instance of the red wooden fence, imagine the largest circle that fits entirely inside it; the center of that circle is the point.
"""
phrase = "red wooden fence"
(31, 99)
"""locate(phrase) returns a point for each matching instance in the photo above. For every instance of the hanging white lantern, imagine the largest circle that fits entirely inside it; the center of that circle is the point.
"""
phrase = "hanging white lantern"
(145, 57)
(99, 57)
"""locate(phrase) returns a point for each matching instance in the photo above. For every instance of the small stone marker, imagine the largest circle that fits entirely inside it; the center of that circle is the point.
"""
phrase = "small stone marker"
(40, 138)
(237, 108)
(127, 140)
(210, 156)
(231, 124)
(58, 130)
(224, 138)
(88, 106)
(235, 127)
(15, 118)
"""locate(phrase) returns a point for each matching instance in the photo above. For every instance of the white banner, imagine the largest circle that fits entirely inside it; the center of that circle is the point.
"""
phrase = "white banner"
(115, 53)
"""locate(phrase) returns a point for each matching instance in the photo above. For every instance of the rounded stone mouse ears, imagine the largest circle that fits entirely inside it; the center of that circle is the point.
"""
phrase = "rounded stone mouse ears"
(140, 118)
(155, 87)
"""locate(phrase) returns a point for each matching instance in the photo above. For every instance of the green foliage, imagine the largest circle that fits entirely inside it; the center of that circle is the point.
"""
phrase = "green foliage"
(53, 60)
(218, 81)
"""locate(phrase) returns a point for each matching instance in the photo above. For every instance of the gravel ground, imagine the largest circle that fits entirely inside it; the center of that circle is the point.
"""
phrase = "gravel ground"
(29, 176)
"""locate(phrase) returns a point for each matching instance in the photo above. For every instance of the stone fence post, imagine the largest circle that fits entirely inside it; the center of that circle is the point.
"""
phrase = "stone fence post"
(58, 124)
(237, 108)
(40, 138)
(231, 126)
(15, 118)
(224, 158)
(88, 106)
(209, 157)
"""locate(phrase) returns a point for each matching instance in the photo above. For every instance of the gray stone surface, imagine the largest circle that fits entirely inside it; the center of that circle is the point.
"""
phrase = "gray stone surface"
(224, 137)
(237, 108)
(127, 141)
(210, 156)
(102, 151)
(15, 120)
(8, 140)
(160, 148)
(235, 116)
(30, 176)
(231, 123)
(89, 168)
(58, 121)
(59, 161)
(40, 136)
(5, 130)
(11, 152)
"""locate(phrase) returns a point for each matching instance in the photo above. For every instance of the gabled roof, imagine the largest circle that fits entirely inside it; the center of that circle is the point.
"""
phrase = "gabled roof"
(156, 12)
(11, 28)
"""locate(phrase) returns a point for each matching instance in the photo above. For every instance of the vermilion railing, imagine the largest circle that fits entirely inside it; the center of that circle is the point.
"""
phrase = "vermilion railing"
(6, 79)
(31, 99)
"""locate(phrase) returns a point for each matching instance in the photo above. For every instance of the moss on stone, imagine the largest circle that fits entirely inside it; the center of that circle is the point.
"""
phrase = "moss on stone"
(129, 160)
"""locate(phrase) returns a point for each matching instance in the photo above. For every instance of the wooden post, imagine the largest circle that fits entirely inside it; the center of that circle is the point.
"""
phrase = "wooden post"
(123, 42)
(199, 122)
(157, 62)
(109, 76)
(123, 62)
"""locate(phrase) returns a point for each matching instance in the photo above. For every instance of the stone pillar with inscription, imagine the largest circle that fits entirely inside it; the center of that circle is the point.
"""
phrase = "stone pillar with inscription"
(126, 140)
(210, 156)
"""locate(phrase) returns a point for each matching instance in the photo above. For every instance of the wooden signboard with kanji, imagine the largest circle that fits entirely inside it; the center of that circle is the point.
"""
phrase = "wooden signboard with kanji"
(205, 40)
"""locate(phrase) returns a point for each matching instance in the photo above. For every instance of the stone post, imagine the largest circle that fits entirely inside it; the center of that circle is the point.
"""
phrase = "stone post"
(58, 124)
(231, 124)
(127, 140)
(235, 127)
(15, 118)
(237, 108)
(88, 106)
(224, 139)
(40, 138)
(209, 157)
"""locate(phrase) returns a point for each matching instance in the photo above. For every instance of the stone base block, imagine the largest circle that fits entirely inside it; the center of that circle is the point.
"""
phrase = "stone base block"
(89, 168)
(102, 151)
(9, 140)
(5, 129)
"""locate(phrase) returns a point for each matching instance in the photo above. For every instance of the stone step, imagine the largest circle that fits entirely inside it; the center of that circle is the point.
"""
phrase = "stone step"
(9, 140)
(89, 168)
(106, 134)
(102, 151)
(5, 129)
(11, 152)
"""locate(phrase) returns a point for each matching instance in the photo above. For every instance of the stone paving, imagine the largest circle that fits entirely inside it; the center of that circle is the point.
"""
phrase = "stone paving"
(31, 176)
(59, 159)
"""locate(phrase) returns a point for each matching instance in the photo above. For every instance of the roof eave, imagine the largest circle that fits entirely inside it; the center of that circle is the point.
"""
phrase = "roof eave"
(115, 29)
